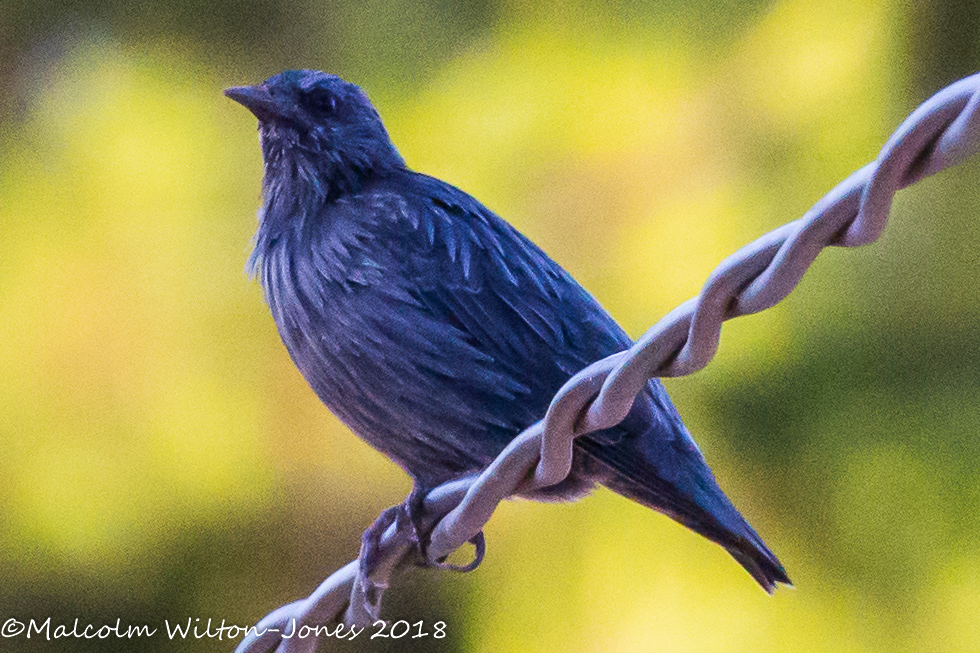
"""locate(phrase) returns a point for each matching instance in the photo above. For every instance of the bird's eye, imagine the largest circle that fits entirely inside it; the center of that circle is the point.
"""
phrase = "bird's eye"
(321, 103)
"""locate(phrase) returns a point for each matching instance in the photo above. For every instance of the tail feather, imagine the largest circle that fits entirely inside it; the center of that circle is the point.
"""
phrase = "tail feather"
(691, 497)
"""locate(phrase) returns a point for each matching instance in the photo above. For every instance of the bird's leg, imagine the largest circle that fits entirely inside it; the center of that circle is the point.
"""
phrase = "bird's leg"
(407, 518)
(411, 517)
(371, 540)
(372, 574)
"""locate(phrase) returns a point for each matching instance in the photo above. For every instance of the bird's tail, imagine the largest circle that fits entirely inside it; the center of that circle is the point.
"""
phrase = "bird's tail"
(685, 489)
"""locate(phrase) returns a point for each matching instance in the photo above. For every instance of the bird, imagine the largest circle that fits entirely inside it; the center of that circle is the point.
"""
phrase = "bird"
(434, 329)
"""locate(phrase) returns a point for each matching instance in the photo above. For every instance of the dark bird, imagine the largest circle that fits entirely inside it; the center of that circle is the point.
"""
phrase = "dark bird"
(434, 329)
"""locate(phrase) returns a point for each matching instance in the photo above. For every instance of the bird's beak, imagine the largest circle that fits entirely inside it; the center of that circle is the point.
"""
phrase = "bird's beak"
(256, 99)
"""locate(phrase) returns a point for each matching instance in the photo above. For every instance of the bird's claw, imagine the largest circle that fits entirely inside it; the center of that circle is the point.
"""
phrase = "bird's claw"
(480, 542)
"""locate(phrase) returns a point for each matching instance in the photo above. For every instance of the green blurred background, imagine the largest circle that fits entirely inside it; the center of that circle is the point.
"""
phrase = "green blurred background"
(160, 457)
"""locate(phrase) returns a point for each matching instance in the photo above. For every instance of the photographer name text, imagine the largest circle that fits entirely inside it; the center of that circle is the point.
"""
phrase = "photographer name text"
(211, 629)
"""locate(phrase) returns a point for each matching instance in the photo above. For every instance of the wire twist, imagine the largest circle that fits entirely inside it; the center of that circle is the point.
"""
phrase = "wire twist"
(941, 133)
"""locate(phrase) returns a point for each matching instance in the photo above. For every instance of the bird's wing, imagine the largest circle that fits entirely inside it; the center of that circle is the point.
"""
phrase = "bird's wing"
(505, 297)
(431, 326)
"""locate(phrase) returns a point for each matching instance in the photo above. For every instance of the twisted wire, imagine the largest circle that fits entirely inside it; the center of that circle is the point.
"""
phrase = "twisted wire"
(941, 133)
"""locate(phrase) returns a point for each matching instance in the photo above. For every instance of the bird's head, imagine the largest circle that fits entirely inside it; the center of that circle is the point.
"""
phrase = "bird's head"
(318, 128)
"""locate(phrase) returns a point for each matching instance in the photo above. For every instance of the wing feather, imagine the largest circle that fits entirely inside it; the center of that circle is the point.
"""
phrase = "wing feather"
(421, 318)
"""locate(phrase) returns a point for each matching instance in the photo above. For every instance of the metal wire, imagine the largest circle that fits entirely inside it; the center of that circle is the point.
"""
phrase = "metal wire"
(941, 133)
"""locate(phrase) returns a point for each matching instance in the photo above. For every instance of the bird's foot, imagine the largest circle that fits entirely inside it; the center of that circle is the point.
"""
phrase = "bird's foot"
(409, 517)
(414, 506)
(406, 518)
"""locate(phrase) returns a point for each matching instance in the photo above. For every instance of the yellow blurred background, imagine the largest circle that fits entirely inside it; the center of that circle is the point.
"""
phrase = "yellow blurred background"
(160, 457)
